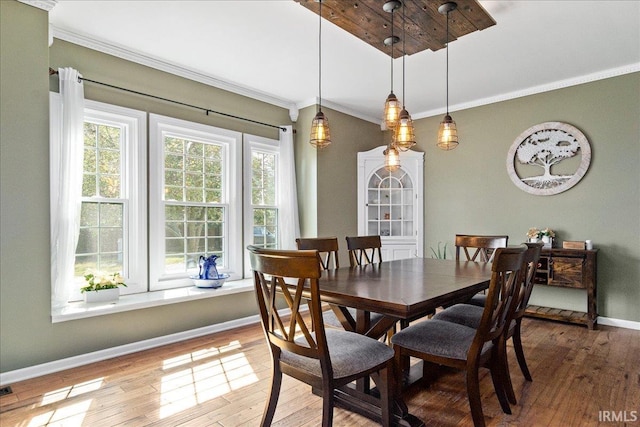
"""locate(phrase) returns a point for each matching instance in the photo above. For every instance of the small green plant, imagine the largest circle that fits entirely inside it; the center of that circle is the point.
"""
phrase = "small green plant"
(100, 281)
(440, 254)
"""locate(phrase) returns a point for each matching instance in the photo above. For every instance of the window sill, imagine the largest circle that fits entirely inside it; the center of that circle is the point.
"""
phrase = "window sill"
(81, 310)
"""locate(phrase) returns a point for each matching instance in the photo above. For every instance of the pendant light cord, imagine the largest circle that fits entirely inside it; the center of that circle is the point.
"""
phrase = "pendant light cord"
(392, 43)
(404, 53)
(447, 63)
(320, 61)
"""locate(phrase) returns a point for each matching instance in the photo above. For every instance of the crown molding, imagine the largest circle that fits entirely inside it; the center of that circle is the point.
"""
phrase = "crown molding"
(41, 4)
(149, 61)
(294, 107)
(560, 84)
(337, 107)
(152, 62)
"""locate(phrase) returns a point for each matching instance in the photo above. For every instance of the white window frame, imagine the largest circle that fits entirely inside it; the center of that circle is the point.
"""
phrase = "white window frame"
(257, 143)
(134, 179)
(159, 126)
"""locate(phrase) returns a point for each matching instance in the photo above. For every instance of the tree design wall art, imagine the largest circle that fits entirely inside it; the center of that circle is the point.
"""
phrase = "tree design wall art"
(535, 157)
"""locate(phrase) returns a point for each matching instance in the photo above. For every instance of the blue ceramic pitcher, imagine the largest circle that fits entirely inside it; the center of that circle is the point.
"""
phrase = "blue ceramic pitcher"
(208, 269)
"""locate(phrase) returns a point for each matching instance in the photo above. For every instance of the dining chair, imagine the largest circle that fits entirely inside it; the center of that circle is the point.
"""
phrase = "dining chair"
(327, 248)
(482, 246)
(459, 346)
(367, 250)
(364, 250)
(471, 313)
(323, 358)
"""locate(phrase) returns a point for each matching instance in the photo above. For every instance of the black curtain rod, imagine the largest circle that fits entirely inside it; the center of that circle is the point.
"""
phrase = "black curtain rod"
(206, 110)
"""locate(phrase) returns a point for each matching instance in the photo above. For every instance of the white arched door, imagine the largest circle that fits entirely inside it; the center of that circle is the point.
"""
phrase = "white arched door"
(390, 204)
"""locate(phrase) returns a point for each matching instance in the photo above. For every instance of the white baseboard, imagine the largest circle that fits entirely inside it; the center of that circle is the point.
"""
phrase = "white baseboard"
(96, 356)
(619, 323)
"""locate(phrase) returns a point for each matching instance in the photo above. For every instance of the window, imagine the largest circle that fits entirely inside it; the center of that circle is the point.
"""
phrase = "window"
(193, 200)
(264, 211)
(155, 233)
(261, 170)
(112, 236)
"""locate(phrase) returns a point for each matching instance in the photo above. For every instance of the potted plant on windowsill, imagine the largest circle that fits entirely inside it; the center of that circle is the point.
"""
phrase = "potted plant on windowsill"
(102, 287)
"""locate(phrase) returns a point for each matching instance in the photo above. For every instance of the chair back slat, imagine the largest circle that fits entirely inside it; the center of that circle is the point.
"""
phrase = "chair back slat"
(501, 296)
(327, 248)
(364, 250)
(281, 275)
(479, 248)
(530, 267)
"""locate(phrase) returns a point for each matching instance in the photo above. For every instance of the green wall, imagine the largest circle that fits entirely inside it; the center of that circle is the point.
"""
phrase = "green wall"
(466, 190)
(330, 207)
(306, 174)
(24, 187)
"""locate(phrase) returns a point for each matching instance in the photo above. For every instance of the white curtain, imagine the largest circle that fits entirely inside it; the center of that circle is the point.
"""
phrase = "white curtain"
(66, 185)
(288, 211)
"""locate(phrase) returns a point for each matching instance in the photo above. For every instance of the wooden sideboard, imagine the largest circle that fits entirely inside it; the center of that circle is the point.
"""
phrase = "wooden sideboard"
(568, 268)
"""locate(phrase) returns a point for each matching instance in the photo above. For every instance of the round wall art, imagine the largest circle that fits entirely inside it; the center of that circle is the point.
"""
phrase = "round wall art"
(547, 158)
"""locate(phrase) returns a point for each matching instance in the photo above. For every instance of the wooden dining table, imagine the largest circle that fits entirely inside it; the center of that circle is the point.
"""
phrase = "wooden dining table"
(399, 289)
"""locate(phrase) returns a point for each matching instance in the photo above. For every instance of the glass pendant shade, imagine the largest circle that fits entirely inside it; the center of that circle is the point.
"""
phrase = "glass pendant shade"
(320, 134)
(404, 136)
(447, 134)
(391, 111)
(391, 159)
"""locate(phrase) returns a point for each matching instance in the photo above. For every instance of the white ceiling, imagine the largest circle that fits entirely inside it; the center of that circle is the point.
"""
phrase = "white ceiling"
(269, 50)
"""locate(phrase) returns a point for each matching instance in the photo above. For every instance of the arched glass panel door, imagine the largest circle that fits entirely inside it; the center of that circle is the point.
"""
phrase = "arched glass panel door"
(390, 203)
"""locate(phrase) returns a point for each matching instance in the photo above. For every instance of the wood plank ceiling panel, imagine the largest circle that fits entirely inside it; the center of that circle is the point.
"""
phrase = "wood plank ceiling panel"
(425, 27)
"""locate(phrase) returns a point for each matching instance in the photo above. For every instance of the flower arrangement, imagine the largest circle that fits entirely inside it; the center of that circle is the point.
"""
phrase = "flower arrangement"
(98, 281)
(535, 233)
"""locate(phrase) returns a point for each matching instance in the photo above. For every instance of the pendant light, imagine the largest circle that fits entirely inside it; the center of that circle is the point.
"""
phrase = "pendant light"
(320, 134)
(447, 134)
(391, 105)
(404, 135)
(391, 158)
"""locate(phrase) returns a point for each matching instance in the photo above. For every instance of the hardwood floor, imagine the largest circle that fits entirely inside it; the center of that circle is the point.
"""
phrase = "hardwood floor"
(223, 380)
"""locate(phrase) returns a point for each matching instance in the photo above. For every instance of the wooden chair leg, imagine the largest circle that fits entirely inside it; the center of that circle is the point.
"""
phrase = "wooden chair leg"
(498, 377)
(397, 381)
(327, 406)
(517, 346)
(506, 375)
(274, 393)
(473, 394)
(508, 385)
(384, 382)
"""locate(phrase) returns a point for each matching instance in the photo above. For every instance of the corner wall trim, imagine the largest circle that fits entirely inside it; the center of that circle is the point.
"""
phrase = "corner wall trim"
(619, 323)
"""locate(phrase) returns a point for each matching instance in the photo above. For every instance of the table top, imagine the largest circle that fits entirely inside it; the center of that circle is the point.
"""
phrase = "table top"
(404, 288)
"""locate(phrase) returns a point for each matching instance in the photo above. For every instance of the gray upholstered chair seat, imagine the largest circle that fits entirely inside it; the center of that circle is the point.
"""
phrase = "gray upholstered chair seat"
(462, 314)
(438, 338)
(330, 318)
(478, 299)
(350, 354)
